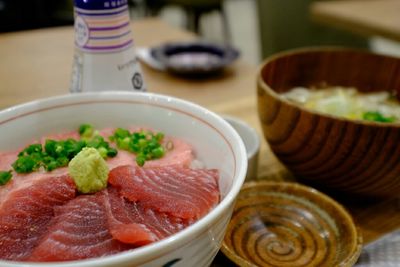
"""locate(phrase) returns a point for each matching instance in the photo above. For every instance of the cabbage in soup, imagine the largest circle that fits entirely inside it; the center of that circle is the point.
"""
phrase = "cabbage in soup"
(348, 103)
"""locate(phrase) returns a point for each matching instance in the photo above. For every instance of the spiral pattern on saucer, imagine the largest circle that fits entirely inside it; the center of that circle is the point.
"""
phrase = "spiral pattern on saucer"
(282, 226)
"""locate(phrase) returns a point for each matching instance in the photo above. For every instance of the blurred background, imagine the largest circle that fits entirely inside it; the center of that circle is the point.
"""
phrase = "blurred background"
(258, 28)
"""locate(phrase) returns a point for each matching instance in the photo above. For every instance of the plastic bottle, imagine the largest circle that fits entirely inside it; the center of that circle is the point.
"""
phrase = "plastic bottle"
(104, 57)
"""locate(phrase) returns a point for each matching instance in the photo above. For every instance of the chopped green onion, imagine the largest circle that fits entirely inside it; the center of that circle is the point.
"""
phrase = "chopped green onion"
(111, 152)
(158, 152)
(25, 164)
(34, 148)
(120, 133)
(55, 154)
(86, 130)
(159, 136)
(50, 147)
(377, 116)
(123, 143)
(145, 144)
(62, 161)
(103, 152)
(140, 160)
(51, 165)
(5, 177)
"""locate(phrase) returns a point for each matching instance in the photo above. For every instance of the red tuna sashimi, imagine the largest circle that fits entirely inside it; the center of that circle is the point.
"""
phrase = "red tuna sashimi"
(79, 230)
(24, 181)
(125, 217)
(120, 223)
(182, 192)
(26, 215)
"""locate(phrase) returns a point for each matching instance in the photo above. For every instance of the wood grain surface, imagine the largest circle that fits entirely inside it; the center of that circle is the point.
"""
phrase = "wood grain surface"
(364, 17)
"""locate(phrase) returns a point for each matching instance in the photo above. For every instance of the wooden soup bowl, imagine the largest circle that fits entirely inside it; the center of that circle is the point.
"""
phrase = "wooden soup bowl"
(356, 157)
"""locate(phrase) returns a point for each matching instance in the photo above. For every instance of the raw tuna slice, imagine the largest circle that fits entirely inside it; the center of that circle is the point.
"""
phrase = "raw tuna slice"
(125, 217)
(21, 181)
(25, 215)
(24, 181)
(179, 191)
(180, 154)
(120, 222)
(122, 158)
(79, 230)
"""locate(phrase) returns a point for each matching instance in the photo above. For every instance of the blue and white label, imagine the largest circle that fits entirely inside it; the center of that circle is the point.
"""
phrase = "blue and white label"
(81, 31)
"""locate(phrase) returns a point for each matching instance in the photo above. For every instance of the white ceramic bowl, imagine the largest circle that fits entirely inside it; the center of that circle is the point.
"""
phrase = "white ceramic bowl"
(251, 142)
(215, 142)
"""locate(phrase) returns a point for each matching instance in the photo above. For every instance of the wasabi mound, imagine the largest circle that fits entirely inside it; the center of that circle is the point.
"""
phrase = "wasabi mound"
(89, 171)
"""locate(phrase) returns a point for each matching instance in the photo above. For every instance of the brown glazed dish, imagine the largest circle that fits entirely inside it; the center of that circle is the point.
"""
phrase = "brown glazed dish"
(357, 157)
(289, 225)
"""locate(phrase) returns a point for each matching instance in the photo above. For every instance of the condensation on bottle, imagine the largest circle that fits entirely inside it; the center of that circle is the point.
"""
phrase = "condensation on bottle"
(104, 57)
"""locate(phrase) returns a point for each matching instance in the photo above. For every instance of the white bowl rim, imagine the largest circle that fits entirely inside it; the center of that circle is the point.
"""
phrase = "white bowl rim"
(168, 244)
(250, 130)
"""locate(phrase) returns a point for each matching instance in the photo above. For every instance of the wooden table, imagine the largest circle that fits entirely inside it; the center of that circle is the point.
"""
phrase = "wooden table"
(365, 17)
(37, 64)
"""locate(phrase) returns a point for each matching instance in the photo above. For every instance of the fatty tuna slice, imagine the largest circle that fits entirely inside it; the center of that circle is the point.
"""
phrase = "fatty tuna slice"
(180, 154)
(129, 222)
(182, 192)
(26, 214)
(79, 230)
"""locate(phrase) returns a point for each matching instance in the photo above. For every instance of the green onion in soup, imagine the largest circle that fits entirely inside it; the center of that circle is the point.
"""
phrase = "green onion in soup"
(348, 103)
